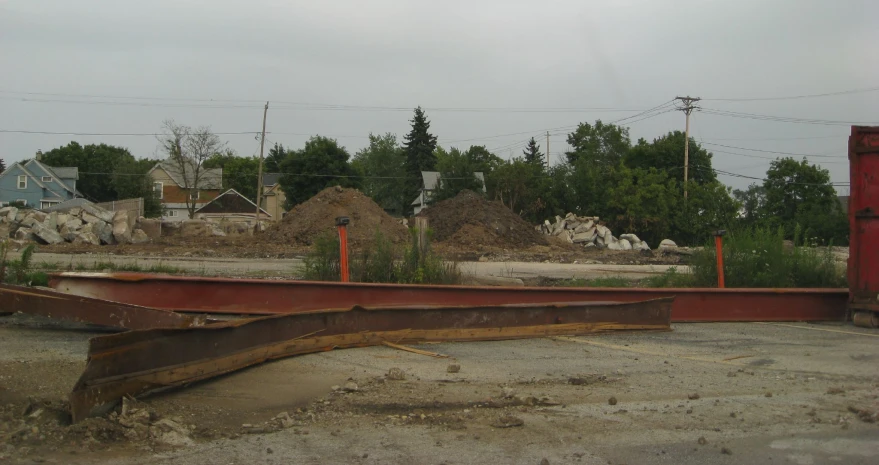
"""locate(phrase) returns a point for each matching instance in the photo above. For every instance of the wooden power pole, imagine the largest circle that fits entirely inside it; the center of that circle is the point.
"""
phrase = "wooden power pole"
(547, 150)
(687, 106)
(262, 145)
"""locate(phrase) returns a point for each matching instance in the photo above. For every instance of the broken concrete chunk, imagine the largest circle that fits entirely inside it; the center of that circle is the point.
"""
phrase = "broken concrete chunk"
(121, 232)
(47, 235)
(139, 237)
(104, 215)
(630, 237)
(396, 374)
(24, 234)
(87, 238)
(667, 243)
(89, 218)
(625, 245)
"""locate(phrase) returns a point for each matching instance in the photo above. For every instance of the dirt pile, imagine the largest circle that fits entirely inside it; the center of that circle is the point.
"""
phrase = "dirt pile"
(307, 221)
(469, 219)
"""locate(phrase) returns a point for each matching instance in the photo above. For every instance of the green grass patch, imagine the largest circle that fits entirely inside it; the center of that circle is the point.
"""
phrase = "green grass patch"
(759, 258)
(381, 262)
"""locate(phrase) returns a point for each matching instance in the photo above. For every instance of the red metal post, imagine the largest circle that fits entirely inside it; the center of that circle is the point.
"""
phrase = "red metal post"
(718, 245)
(342, 224)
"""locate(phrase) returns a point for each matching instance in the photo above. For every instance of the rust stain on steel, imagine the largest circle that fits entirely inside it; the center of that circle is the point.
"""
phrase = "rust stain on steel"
(137, 362)
(68, 307)
(263, 297)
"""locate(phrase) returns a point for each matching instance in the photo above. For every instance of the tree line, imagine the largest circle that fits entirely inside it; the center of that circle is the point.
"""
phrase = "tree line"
(632, 186)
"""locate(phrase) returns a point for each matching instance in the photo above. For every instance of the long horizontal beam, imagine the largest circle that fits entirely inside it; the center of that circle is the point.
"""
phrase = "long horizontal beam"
(136, 362)
(266, 297)
(60, 306)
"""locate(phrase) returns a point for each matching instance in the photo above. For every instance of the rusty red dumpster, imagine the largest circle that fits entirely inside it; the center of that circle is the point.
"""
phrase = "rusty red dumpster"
(863, 262)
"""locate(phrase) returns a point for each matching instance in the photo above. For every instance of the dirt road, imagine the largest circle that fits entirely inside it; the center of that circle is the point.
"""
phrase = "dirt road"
(703, 393)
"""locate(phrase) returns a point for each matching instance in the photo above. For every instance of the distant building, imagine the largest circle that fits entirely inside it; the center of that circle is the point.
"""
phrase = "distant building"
(232, 206)
(38, 185)
(273, 197)
(170, 186)
(430, 181)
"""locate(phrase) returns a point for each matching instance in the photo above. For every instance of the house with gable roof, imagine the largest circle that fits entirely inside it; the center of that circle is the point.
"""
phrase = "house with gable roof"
(38, 185)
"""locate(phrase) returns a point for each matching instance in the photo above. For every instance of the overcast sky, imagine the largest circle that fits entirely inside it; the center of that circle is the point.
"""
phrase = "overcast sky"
(482, 68)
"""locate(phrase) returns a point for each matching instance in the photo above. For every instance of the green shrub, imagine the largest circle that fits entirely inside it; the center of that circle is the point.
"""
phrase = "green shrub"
(322, 262)
(380, 262)
(759, 258)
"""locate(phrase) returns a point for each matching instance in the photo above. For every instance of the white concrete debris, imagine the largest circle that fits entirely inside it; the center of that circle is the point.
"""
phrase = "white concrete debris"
(95, 226)
(589, 232)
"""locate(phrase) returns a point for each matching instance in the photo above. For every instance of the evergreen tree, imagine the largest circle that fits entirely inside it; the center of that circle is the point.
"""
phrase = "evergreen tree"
(419, 146)
(532, 152)
(272, 163)
(2, 165)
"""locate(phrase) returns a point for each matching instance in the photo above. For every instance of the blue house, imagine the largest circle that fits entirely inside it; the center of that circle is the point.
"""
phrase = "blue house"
(37, 185)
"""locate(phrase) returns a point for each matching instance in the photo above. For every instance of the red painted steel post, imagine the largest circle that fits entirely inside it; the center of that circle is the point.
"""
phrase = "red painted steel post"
(718, 245)
(342, 224)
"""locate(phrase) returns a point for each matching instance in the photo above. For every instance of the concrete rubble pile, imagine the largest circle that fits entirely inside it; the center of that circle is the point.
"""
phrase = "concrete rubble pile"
(589, 232)
(79, 225)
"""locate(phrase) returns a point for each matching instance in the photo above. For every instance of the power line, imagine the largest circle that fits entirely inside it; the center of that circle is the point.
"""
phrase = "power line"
(773, 151)
(783, 119)
(795, 97)
(780, 138)
(121, 134)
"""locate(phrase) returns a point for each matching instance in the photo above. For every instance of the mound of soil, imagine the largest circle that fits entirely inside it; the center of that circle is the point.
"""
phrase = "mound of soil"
(307, 221)
(469, 220)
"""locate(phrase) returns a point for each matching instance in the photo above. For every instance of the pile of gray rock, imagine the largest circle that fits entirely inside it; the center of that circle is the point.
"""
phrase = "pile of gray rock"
(589, 232)
(87, 224)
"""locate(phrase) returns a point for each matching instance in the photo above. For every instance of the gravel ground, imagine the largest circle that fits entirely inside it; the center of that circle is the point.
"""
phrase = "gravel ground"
(703, 393)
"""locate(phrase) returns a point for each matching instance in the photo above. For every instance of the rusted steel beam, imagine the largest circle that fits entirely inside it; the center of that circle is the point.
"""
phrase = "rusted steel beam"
(68, 307)
(264, 297)
(136, 362)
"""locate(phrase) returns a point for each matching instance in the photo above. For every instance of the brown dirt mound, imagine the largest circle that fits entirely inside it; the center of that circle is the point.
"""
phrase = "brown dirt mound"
(307, 221)
(469, 219)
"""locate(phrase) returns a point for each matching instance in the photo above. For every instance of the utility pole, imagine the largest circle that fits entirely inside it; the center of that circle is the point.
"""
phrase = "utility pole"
(262, 144)
(687, 107)
(547, 150)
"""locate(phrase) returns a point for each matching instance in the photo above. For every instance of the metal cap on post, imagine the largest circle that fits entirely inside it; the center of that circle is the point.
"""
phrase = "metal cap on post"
(718, 245)
(342, 225)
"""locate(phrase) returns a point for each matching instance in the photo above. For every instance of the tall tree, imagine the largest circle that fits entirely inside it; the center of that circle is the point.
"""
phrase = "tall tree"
(2, 165)
(96, 163)
(532, 152)
(456, 174)
(188, 149)
(666, 153)
(603, 144)
(419, 145)
(130, 179)
(239, 173)
(320, 164)
(752, 200)
(272, 163)
(801, 194)
(382, 166)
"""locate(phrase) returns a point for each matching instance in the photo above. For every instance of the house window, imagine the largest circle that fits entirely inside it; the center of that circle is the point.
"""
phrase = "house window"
(4, 204)
(158, 190)
(172, 213)
(22, 182)
(193, 195)
(21, 202)
(46, 179)
(44, 204)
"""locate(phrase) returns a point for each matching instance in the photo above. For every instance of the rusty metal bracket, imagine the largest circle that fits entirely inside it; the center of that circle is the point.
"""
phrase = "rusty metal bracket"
(57, 305)
(136, 362)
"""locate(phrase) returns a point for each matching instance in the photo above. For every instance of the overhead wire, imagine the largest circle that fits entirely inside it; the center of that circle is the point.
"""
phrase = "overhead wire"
(783, 119)
(795, 97)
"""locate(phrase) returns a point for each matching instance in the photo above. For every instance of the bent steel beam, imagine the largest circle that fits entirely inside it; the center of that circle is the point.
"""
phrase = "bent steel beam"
(137, 362)
(264, 297)
(68, 307)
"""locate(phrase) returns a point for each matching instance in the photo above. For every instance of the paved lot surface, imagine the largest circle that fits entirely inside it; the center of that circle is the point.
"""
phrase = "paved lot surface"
(703, 393)
(293, 267)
